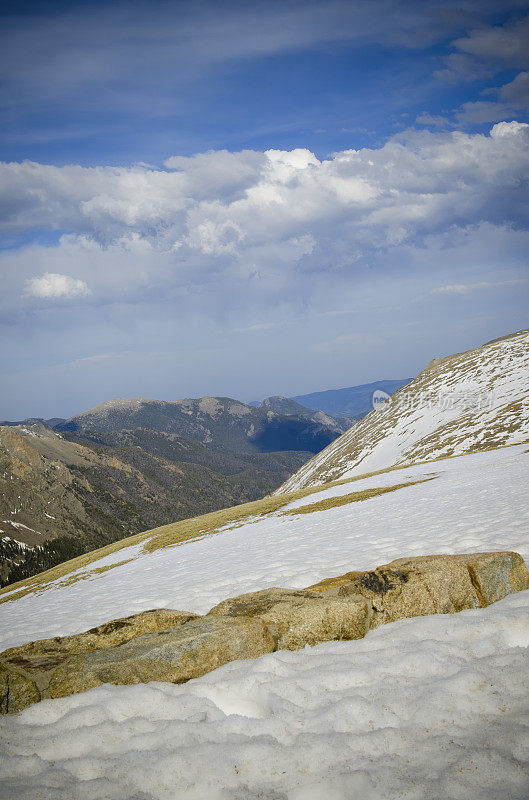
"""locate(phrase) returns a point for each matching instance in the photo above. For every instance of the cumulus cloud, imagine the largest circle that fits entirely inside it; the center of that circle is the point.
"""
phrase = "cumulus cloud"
(416, 181)
(52, 285)
(256, 226)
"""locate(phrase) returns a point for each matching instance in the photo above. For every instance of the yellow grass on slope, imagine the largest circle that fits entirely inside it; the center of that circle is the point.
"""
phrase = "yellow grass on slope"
(352, 497)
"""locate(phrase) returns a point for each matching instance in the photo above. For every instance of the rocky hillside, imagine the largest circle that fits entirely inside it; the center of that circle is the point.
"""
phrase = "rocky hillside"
(285, 405)
(127, 465)
(459, 404)
(219, 421)
(61, 494)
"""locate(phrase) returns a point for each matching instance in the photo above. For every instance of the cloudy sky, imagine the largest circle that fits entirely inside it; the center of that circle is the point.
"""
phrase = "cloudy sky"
(253, 198)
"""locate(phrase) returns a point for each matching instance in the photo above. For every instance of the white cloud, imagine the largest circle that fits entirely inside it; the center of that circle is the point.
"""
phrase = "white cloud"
(488, 49)
(511, 99)
(52, 285)
(257, 228)
(483, 53)
(508, 129)
(466, 288)
(232, 203)
(506, 44)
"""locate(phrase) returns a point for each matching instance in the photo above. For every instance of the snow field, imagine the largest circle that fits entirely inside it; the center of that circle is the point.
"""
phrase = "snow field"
(477, 502)
(422, 709)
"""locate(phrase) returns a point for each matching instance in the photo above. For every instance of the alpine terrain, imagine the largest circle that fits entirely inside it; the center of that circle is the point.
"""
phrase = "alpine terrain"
(414, 683)
(128, 465)
(459, 404)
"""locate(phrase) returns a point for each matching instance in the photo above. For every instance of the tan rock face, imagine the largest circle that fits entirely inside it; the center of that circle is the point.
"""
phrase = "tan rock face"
(26, 671)
(495, 575)
(302, 621)
(166, 645)
(16, 691)
(300, 617)
(444, 584)
(175, 655)
(257, 603)
(45, 652)
(332, 585)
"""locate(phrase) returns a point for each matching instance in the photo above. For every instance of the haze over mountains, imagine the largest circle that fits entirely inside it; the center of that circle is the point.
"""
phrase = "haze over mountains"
(351, 403)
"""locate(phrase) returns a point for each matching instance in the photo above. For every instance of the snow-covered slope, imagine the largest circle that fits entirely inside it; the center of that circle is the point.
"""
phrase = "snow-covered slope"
(420, 709)
(459, 404)
(475, 502)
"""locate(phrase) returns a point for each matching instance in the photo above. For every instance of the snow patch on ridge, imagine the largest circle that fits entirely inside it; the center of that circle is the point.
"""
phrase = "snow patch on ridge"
(457, 405)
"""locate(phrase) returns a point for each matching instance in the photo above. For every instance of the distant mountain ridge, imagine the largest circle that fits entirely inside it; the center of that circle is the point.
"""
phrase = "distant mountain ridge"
(221, 421)
(458, 404)
(285, 405)
(353, 402)
(49, 423)
(131, 464)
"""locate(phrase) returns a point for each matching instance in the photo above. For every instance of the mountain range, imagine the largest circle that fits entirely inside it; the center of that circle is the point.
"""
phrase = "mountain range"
(133, 464)
(351, 403)
(127, 465)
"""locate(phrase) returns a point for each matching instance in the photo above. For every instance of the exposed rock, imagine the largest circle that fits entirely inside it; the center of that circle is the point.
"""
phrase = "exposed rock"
(166, 645)
(300, 617)
(332, 585)
(495, 575)
(16, 691)
(254, 604)
(47, 653)
(302, 621)
(175, 655)
(444, 584)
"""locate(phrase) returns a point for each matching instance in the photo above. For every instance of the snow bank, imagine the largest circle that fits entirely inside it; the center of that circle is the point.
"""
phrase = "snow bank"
(422, 709)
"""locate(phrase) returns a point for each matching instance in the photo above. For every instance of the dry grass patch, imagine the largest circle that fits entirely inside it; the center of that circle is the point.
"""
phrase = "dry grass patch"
(169, 535)
(352, 497)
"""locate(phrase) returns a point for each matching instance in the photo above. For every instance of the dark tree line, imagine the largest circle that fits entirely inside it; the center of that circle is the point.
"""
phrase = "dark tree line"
(24, 562)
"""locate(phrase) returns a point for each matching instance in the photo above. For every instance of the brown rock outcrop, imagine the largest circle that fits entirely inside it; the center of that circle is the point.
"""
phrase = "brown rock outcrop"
(166, 645)
(442, 584)
(174, 655)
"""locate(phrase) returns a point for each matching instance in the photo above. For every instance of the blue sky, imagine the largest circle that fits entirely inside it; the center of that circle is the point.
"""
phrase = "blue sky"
(256, 198)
